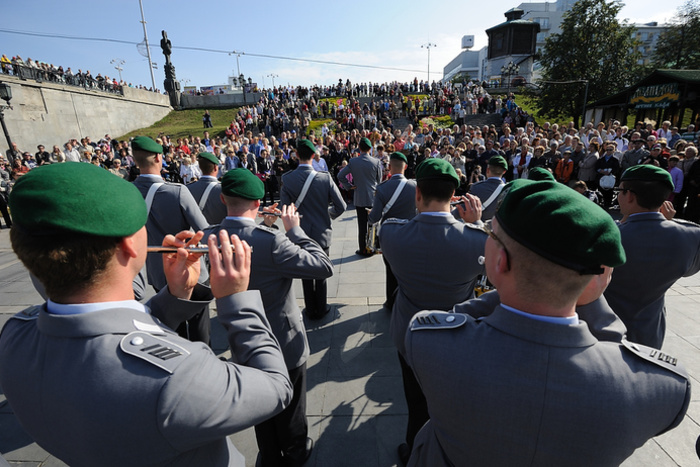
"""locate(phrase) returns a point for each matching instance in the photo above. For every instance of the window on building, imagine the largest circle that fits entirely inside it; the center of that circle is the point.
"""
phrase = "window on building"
(544, 22)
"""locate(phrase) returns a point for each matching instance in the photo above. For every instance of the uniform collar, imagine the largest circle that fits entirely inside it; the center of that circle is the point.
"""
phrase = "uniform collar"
(112, 319)
(81, 308)
(540, 332)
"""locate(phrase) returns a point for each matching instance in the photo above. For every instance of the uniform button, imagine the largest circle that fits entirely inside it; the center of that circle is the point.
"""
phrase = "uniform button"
(449, 319)
(137, 340)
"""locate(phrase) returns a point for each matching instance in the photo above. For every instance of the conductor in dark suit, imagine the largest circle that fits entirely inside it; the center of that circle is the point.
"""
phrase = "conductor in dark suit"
(322, 202)
(277, 261)
(529, 383)
(484, 190)
(207, 190)
(394, 198)
(659, 252)
(366, 174)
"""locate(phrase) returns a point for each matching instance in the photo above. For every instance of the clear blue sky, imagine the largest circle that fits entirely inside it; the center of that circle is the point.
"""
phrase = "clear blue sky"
(376, 33)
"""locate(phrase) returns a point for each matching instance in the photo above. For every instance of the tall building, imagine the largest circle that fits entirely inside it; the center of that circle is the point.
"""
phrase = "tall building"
(648, 35)
(548, 15)
(468, 65)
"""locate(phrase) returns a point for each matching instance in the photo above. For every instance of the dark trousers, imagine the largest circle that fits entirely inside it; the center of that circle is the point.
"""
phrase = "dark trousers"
(415, 400)
(391, 284)
(197, 328)
(4, 211)
(282, 438)
(362, 227)
(315, 294)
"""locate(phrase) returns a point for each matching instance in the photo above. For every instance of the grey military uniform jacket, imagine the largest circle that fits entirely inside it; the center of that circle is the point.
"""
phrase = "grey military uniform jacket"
(366, 174)
(116, 387)
(509, 390)
(483, 190)
(435, 261)
(173, 209)
(403, 208)
(315, 210)
(214, 209)
(659, 252)
(277, 259)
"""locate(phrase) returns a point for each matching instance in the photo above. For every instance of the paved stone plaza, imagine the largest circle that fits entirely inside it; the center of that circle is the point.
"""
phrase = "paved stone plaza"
(356, 410)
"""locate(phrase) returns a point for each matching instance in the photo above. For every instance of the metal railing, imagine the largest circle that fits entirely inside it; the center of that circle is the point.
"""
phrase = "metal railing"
(82, 80)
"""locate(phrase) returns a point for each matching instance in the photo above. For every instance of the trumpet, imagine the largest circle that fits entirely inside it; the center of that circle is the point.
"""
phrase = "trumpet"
(199, 248)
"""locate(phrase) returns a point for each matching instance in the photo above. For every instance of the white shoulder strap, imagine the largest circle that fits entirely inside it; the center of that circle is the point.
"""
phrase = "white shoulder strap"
(305, 189)
(205, 195)
(394, 197)
(151, 193)
(493, 196)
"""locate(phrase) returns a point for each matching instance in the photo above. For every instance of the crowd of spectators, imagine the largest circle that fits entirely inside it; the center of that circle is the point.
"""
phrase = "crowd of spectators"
(42, 71)
(263, 139)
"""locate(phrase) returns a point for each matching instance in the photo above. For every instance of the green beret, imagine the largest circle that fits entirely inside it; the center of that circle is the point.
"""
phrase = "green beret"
(557, 223)
(365, 144)
(242, 183)
(209, 157)
(437, 169)
(306, 148)
(498, 161)
(398, 156)
(80, 198)
(648, 173)
(145, 143)
(540, 174)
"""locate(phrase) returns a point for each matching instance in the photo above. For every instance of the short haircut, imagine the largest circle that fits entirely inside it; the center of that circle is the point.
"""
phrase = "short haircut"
(436, 190)
(207, 167)
(649, 195)
(538, 279)
(143, 158)
(64, 263)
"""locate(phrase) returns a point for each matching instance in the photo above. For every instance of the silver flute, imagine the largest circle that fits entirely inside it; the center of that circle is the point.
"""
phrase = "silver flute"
(191, 249)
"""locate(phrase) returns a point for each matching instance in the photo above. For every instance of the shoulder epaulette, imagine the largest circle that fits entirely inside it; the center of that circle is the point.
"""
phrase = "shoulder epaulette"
(685, 222)
(437, 320)
(28, 314)
(396, 220)
(267, 229)
(479, 227)
(156, 350)
(656, 357)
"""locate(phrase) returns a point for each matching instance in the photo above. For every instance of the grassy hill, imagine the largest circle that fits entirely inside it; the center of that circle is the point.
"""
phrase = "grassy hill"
(181, 123)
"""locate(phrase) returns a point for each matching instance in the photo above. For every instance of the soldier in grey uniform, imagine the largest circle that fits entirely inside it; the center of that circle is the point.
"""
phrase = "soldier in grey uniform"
(394, 198)
(93, 376)
(436, 262)
(321, 202)
(277, 260)
(659, 252)
(171, 208)
(536, 384)
(207, 190)
(366, 174)
(485, 190)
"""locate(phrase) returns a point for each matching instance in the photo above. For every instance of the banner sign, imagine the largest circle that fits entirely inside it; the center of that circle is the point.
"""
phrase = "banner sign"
(656, 96)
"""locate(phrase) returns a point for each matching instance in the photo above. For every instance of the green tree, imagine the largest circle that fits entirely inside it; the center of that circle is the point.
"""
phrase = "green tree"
(677, 47)
(592, 46)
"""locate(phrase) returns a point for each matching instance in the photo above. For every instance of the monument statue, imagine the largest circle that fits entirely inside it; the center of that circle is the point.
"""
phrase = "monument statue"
(172, 85)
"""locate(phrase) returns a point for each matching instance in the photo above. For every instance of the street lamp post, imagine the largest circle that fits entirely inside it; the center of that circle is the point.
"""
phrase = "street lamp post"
(509, 70)
(428, 46)
(273, 76)
(6, 95)
(148, 47)
(119, 62)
